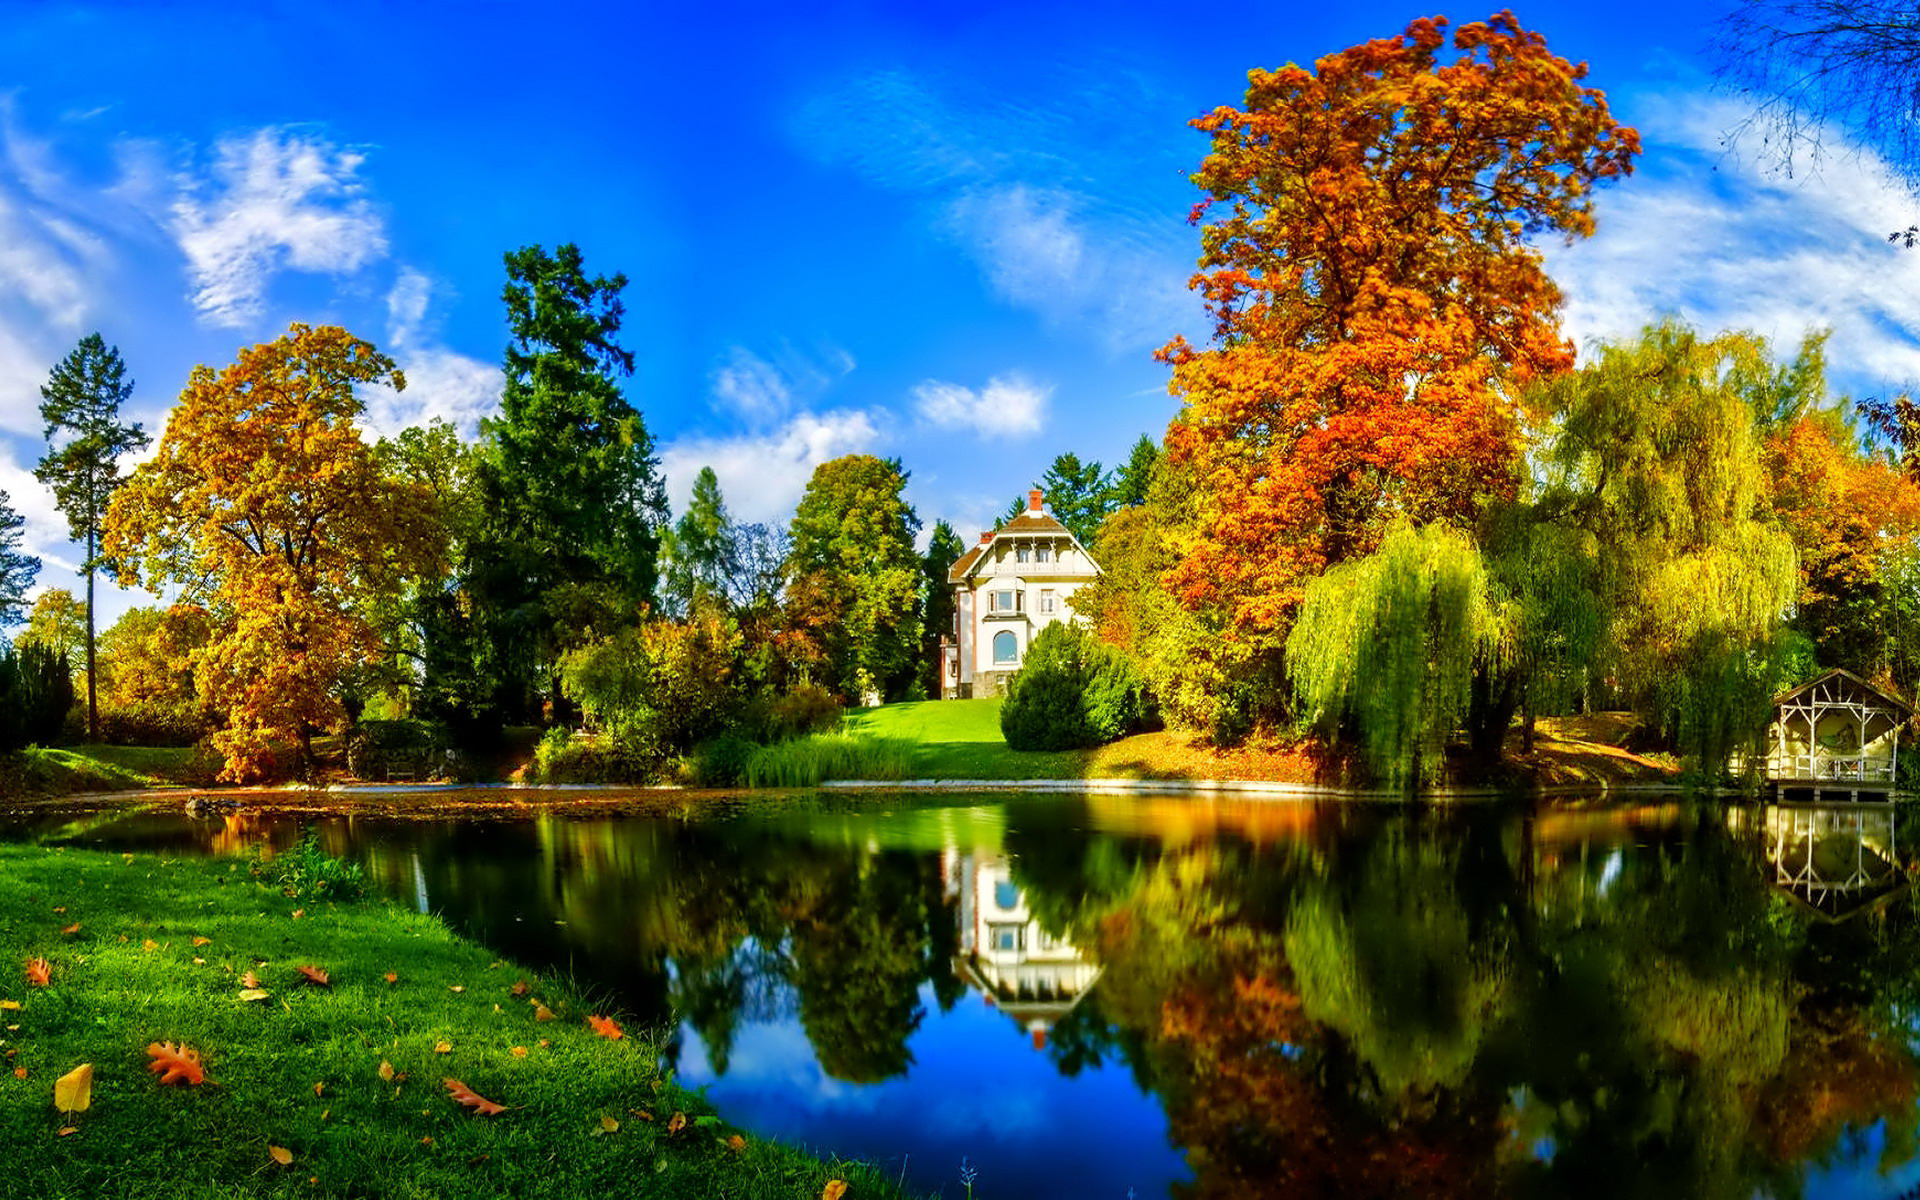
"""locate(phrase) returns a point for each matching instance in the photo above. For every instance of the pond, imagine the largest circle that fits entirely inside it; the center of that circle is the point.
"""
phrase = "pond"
(1110, 996)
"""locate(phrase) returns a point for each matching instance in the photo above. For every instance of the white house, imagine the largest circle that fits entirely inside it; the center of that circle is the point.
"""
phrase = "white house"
(1020, 579)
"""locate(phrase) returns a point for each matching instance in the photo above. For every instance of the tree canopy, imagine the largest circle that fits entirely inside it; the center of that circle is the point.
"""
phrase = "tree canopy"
(17, 567)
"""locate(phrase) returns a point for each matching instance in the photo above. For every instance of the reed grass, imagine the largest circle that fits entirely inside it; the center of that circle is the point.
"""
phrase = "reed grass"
(810, 761)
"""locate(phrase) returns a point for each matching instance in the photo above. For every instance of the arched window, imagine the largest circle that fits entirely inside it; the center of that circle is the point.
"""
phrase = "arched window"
(1006, 648)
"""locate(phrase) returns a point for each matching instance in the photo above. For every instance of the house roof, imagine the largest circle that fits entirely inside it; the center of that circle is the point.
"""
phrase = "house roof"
(1032, 522)
(957, 573)
(1794, 693)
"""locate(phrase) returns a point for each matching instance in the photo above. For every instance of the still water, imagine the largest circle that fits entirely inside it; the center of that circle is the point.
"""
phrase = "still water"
(1111, 996)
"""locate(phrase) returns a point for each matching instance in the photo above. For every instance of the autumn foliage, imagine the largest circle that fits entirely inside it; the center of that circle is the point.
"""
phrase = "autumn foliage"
(265, 506)
(1376, 304)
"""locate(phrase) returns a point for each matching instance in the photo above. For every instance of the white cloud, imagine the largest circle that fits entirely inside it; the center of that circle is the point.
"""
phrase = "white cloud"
(407, 306)
(274, 201)
(1724, 243)
(1008, 406)
(751, 387)
(763, 475)
(441, 385)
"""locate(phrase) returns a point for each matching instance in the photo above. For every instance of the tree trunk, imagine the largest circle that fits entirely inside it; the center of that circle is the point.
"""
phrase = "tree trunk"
(1489, 713)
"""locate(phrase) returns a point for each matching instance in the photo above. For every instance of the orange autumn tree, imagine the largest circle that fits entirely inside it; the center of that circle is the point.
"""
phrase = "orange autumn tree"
(265, 506)
(1377, 306)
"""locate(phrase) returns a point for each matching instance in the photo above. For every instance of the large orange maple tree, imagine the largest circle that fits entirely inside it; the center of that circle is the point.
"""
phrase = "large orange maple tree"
(1377, 306)
(266, 506)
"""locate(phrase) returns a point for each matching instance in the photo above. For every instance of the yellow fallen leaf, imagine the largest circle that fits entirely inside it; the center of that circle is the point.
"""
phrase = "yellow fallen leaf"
(73, 1092)
(676, 1123)
(386, 1070)
(320, 1088)
(835, 1189)
(203, 941)
(519, 1051)
(149, 944)
(442, 1048)
(542, 1013)
(9, 1006)
(281, 1155)
(609, 1125)
(298, 913)
(458, 987)
(198, 961)
(252, 994)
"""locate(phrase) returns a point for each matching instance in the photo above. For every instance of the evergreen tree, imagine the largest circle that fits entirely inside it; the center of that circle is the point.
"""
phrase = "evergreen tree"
(701, 552)
(944, 548)
(1078, 494)
(569, 480)
(17, 568)
(80, 403)
(1134, 477)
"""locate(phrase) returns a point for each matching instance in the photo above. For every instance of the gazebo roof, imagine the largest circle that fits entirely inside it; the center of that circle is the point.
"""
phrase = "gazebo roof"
(1892, 701)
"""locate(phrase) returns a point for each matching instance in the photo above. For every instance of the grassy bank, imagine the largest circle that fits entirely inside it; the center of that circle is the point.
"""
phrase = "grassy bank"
(346, 1078)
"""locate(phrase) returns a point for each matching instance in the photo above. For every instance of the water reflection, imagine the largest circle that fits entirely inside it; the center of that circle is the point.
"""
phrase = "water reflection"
(1231, 999)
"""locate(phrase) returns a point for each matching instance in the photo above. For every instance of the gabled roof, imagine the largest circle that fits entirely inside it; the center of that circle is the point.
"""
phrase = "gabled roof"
(1032, 522)
(1795, 693)
(957, 573)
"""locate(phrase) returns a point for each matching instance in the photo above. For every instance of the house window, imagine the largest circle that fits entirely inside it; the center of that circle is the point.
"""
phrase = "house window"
(1020, 554)
(1046, 600)
(1004, 602)
(1042, 553)
(1006, 895)
(1007, 938)
(1006, 647)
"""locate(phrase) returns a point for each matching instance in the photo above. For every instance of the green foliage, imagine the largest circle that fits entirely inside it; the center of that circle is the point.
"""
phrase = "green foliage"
(561, 757)
(700, 556)
(1390, 643)
(806, 708)
(811, 761)
(380, 749)
(17, 568)
(307, 872)
(854, 601)
(1080, 495)
(944, 548)
(1072, 692)
(720, 761)
(36, 690)
(662, 687)
(155, 723)
(1133, 479)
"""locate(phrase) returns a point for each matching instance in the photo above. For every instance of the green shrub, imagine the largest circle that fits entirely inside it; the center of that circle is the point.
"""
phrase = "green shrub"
(806, 708)
(382, 749)
(36, 690)
(152, 724)
(720, 762)
(308, 872)
(1073, 691)
(811, 761)
(662, 687)
(563, 758)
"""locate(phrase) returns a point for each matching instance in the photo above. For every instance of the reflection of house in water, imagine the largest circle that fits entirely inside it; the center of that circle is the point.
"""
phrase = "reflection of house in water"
(1005, 955)
(1836, 859)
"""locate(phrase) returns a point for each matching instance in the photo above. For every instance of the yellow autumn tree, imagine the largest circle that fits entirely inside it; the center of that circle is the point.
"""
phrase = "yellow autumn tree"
(265, 506)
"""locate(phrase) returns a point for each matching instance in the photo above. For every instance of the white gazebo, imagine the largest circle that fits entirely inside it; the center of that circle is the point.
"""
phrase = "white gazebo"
(1837, 733)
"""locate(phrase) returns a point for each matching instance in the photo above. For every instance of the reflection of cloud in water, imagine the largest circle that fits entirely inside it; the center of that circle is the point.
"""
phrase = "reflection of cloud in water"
(776, 1056)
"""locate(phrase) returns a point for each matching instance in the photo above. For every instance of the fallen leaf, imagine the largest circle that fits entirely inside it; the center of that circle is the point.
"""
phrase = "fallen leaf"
(39, 972)
(19, 1072)
(70, 930)
(280, 1154)
(542, 1013)
(180, 1065)
(393, 977)
(66, 1129)
(254, 993)
(676, 1123)
(442, 1048)
(458, 987)
(198, 961)
(149, 945)
(320, 1088)
(519, 1051)
(298, 913)
(73, 1092)
(609, 1125)
(737, 1144)
(606, 1027)
(59, 908)
(315, 976)
(495, 965)
(203, 941)
(544, 1043)
(386, 1070)
(9, 1006)
(519, 989)
(249, 979)
(642, 1113)
(462, 1094)
(835, 1189)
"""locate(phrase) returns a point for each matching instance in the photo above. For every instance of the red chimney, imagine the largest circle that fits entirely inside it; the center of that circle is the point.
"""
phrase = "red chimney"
(1033, 500)
(1039, 1033)
(986, 535)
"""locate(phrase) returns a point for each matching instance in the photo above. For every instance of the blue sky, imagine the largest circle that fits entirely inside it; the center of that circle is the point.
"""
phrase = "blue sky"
(952, 233)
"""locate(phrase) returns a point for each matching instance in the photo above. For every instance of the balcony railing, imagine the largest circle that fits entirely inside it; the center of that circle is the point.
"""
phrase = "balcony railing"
(1842, 768)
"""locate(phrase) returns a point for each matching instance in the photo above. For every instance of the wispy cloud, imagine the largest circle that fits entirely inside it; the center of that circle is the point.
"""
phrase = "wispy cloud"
(1725, 243)
(760, 390)
(441, 384)
(1008, 406)
(273, 201)
(1027, 195)
(762, 475)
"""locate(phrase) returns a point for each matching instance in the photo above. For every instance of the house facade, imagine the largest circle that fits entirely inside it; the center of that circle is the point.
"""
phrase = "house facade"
(1018, 580)
(1837, 734)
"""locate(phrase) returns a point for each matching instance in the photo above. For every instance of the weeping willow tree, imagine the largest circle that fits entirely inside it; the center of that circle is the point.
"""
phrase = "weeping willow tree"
(1389, 645)
(1655, 453)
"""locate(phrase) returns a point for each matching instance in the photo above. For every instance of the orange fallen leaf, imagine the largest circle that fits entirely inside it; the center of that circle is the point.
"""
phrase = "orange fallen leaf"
(280, 1154)
(393, 977)
(70, 930)
(737, 1144)
(442, 1048)
(835, 1189)
(462, 1094)
(676, 1123)
(544, 1043)
(386, 1070)
(519, 989)
(320, 1088)
(203, 941)
(642, 1113)
(298, 913)
(181, 1065)
(315, 976)
(39, 972)
(65, 1130)
(542, 1013)
(249, 979)
(19, 1072)
(519, 1051)
(606, 1027)
(149, 944)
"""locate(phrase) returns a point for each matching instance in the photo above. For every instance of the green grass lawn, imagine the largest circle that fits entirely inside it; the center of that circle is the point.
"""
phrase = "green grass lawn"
(960, 739)
(63, 771)
(145, 949)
